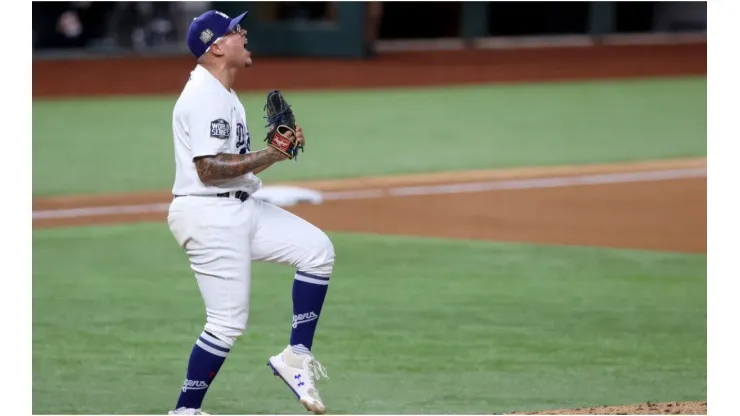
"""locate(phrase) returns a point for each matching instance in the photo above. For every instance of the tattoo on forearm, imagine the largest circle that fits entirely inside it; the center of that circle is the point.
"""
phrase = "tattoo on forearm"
(228, 166)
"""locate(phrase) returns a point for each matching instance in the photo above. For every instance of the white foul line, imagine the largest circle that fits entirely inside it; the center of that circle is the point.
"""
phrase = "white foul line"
(534, 183)
(97, 211)
(553, 182)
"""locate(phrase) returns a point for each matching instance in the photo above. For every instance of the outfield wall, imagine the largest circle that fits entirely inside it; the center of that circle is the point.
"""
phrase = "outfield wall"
(166, 75)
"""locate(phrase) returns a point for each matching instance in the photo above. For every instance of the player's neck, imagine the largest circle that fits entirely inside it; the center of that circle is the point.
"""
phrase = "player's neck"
(223, 74)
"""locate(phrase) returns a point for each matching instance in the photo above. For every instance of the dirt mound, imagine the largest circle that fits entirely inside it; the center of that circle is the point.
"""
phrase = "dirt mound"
(667, 408)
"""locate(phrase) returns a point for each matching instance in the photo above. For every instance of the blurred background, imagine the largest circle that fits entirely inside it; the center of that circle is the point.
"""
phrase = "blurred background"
(348, 28)
(137, 49)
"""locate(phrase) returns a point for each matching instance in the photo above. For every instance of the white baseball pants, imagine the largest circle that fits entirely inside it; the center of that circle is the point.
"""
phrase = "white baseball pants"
(222, 236)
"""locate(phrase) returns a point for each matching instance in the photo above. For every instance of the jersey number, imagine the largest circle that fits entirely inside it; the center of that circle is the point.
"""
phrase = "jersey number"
(242, 139)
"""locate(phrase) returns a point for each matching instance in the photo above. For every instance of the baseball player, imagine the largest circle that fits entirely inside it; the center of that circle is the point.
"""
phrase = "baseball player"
(222, 229)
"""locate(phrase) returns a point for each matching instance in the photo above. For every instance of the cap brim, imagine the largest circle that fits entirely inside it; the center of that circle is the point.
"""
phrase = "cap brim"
(235, 21)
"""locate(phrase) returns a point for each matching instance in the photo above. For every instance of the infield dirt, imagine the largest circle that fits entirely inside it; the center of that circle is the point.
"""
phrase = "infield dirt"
(667, 408)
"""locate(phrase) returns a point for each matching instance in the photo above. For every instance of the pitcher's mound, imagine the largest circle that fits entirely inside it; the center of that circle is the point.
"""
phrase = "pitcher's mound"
(668, 408)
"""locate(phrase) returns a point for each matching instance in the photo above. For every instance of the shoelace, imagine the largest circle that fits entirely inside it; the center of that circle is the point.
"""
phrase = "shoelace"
(315, 372)
(315, 369)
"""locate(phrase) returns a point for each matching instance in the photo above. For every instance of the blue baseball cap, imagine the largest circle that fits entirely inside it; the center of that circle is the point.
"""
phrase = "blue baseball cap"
(209, 27)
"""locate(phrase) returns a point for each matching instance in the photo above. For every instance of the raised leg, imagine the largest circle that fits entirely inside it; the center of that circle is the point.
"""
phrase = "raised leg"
(284, 238)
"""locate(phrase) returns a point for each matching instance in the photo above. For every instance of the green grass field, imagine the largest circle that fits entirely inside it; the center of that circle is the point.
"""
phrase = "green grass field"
(410, 326)
(125, 144)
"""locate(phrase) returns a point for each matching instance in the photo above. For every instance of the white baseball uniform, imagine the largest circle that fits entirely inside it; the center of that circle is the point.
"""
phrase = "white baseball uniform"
(221, 231)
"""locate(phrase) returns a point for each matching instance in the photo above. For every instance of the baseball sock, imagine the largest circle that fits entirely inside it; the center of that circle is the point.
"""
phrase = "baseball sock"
(309, 292)
(206, 358)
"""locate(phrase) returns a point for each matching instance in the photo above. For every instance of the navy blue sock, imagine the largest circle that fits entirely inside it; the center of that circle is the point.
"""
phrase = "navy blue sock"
(309, 292)
(208, 354)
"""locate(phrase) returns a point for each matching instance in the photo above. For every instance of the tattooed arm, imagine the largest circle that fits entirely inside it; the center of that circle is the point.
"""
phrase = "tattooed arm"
(257, 171)
(228, 165)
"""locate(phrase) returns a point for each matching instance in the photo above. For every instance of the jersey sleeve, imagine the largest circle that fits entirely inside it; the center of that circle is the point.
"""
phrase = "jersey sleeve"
(210, 128)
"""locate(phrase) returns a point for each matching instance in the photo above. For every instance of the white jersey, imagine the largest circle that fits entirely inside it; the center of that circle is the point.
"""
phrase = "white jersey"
(208, 119)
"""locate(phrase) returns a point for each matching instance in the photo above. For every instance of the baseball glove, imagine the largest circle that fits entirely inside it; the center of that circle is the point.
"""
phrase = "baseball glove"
(281, 120)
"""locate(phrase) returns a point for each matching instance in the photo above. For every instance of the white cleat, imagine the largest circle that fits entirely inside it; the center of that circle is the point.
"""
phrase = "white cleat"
(185, 411)
(300, 373)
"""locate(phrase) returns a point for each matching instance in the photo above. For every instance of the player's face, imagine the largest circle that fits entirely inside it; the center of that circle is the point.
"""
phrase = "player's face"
(236, 47)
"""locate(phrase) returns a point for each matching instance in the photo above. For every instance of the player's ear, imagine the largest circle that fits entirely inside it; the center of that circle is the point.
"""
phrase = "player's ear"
(217, 49)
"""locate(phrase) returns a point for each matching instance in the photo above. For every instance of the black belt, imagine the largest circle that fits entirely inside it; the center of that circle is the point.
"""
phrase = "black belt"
(240, 195)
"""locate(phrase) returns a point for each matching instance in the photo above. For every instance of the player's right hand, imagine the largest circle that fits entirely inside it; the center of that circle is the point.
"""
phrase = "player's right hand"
(276, 154)
(299, 135)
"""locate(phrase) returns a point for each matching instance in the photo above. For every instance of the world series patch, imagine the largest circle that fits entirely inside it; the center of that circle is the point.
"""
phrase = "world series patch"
(220, 129)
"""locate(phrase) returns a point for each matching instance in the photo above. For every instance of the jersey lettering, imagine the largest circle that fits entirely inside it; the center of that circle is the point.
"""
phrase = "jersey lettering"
(242, 138)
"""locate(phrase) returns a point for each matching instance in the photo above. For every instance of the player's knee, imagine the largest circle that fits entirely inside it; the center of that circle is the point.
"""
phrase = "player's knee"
(227, 333)
(321, 259)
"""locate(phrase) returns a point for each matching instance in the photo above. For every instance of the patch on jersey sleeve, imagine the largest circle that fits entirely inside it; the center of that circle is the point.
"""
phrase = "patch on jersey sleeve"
(220, 129)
